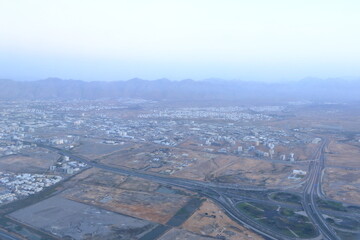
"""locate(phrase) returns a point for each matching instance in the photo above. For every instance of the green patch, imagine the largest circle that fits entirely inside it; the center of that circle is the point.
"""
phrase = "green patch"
(348, 235)
(251, 210)
(286, 212)
(282, 220)
(354, 209)
(332, 205)
(344, 223)
(330, 220)
(286, 197)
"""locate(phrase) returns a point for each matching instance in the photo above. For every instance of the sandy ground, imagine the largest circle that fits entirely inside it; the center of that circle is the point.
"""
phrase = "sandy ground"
(178, 234)
(342, 185)
(240, 170)
(341, 154)
(94, 149)
(127, 195)
(254, 172)
(37, 163)
(210, 220)
(152, 206)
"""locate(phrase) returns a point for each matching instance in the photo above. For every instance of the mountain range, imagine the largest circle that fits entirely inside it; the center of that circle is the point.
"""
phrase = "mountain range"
(310, 89)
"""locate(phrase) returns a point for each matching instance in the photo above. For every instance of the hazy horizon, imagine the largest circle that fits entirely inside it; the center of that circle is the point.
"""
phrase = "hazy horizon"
(179, 119)
(309, 78)
(118, 40)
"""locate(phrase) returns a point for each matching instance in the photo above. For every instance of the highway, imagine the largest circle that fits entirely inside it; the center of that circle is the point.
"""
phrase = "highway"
(215, 192)
(6, 236)
(313, 190)
(219, 193)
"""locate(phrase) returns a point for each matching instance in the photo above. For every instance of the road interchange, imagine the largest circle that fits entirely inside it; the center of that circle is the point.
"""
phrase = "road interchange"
(219, 193)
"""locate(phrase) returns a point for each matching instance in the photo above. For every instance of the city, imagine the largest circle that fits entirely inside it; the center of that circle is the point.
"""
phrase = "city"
(180, 120)
(232, 172)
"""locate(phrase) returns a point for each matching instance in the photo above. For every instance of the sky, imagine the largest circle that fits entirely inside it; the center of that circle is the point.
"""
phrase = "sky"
(109, 40)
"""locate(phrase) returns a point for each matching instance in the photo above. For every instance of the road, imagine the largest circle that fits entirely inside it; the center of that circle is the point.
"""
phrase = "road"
(218, 193)
(6, 236)
(215, 192)
(313, 190)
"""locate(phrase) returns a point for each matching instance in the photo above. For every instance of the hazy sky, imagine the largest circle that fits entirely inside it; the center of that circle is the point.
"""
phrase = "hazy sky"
(232, 39)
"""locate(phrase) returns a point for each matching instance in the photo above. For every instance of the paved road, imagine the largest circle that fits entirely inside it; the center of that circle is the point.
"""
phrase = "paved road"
(6, 236)
(218, 193)
(313, 190)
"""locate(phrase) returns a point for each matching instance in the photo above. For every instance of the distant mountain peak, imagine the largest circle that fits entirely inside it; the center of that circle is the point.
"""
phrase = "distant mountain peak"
(311, 89)
(136, 80)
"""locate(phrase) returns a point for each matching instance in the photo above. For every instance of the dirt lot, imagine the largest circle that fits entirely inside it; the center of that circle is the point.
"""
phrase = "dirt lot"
(210, 220)
(200, 165)
(301, 152)
(127, 195)
(178, 234)
(197, 166)
(255, 172)
(232, 169)
(132, 157)
(342, 185)
(94, 149)
(65, 218)
(29, 161)
(342, 154)
(96, 177)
